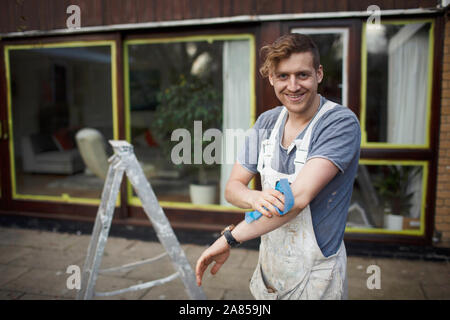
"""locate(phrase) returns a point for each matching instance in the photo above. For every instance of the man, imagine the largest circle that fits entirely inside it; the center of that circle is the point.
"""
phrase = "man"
(314, 143)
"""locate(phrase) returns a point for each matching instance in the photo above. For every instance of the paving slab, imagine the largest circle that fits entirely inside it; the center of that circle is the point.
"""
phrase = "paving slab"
(436, 291)
(251, 259)
(10, 273)
(10, 295)
(42, 282)
(49, 259)
(9, 253)
(401, 270)
(35, 238)
(30, 296)
(228, 278)
(232, 294)
(175, 290)
(144, 249)
(108, 283)
(437, 273)
(152, 271)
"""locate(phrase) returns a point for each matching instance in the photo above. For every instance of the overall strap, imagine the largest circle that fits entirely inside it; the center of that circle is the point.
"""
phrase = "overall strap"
(268, 145)
(303, 144)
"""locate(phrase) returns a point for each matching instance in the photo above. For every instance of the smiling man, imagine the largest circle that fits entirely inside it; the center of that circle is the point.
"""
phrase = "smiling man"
(314, 143)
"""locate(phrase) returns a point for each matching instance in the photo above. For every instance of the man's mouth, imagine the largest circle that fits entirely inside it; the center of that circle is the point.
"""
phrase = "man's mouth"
(295, 97)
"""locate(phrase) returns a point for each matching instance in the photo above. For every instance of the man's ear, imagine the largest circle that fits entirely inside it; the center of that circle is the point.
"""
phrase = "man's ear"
(271, 79)
(319, 74)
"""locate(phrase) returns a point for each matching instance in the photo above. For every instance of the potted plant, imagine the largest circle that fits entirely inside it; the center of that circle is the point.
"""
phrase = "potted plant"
(393, 187)
(179, 105)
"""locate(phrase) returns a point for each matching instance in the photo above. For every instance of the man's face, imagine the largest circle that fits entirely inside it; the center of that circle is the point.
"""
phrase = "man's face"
(295, 82)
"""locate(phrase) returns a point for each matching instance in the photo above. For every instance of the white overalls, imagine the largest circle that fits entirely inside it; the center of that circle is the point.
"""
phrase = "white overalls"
(291, 264)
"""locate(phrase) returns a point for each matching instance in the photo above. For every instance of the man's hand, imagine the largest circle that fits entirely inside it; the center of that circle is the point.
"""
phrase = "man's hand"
(265, 201)
(219, 252)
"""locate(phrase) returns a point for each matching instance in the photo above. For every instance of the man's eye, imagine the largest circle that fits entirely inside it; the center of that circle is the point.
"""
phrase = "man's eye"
(303, 75)
(282, 76)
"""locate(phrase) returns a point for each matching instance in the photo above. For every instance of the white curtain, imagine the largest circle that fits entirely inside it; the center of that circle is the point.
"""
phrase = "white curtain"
(236, 103)
(407, 95)
(407, 85)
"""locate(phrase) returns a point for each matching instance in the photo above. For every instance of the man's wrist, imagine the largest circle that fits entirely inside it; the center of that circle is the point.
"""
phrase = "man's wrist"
(223, 241)
(229, 237)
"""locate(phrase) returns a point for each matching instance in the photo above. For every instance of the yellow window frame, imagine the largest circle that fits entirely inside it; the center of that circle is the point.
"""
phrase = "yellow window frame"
(65, 198)
(372, 145)
(135, 201)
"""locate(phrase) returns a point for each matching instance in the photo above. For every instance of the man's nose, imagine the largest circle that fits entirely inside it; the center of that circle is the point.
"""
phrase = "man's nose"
(293, 84)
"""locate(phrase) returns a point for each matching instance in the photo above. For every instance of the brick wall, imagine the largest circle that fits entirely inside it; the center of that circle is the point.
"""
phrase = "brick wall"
(442, 218)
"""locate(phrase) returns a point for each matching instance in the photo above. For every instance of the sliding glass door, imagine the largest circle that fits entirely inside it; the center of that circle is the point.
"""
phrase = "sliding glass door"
(188, 100)
(61, 106)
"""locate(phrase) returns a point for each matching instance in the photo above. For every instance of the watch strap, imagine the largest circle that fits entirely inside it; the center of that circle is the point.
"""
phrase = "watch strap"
(230, 239)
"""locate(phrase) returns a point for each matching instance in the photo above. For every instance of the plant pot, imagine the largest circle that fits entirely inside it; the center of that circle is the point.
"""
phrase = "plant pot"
(393, 222)
(203, 194)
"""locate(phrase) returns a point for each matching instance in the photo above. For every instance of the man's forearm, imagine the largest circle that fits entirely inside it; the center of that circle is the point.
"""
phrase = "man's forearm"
(238, 194)
(246, 231)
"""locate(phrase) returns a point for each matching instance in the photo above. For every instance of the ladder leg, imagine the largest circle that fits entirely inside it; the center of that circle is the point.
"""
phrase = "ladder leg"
(100, 232)
(163, 229)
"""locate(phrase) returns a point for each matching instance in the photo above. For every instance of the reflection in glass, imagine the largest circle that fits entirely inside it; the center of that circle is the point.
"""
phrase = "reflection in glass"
(397, 74)
(383, 191)
(180, 85)
(55, 93)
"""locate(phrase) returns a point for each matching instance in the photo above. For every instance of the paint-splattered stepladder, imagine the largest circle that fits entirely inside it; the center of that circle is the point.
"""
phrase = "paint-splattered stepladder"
(124, 161)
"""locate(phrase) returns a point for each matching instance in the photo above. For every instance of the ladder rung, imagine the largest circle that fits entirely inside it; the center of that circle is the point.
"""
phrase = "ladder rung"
(132, 265)
(141, 286)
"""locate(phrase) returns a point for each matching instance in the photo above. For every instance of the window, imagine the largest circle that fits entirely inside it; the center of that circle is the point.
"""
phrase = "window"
(192, 86)
(390, 194)
(389, 197)
(397, 68)
(56, 91)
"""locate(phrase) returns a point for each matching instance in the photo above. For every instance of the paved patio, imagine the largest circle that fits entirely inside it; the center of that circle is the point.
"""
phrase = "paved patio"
(33, 266)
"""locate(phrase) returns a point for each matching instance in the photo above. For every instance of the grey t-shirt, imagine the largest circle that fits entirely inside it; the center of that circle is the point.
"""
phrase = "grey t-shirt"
(336, 137)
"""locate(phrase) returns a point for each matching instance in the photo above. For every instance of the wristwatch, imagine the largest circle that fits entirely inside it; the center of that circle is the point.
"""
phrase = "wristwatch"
(229, 237)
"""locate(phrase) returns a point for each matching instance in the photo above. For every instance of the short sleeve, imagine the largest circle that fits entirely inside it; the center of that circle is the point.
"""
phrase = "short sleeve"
(248, 155)
(336, 139)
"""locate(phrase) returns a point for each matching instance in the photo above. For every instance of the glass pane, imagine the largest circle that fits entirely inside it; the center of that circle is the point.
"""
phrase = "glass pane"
(331, 49)
(185, 85)
(397, 68)
(56, 94)
(387, 197)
